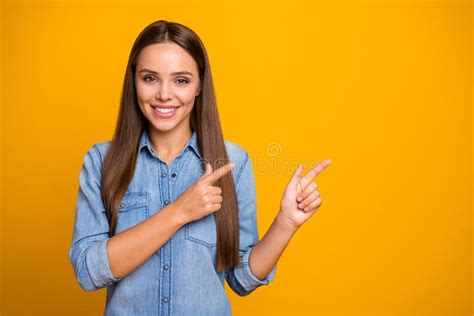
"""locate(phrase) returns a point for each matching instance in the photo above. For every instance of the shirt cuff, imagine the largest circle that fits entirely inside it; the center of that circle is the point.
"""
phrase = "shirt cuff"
(97, 263)
(245, 276)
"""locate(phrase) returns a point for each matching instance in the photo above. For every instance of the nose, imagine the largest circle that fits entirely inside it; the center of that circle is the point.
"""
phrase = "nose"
(164, 91)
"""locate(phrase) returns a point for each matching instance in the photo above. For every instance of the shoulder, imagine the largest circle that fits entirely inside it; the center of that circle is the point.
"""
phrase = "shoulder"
(101, 148)
(95, 154)
(236, 152)
(238, 155)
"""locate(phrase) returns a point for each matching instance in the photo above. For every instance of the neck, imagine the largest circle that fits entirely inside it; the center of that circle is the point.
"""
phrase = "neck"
(169, 144)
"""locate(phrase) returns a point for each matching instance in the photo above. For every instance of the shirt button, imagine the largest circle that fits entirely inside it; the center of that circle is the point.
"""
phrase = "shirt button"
(166, 267)
(163, 175)
(165, 300)
(167, 202)
(122, 205)
(173, 175)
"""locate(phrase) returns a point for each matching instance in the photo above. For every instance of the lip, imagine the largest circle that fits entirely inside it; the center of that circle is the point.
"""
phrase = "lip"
(164, 115)
(163, 106)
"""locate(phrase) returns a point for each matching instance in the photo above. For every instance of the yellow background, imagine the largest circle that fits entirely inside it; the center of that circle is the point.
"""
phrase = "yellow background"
(383, 88)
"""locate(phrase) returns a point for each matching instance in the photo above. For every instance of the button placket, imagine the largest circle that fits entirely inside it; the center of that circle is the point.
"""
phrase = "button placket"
(166, 249)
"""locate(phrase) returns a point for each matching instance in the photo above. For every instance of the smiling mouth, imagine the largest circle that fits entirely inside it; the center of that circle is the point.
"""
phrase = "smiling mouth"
(164, 112)
(164, 109)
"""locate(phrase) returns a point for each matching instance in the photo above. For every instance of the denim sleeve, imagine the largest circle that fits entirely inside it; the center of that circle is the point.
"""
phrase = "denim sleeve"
(240, 278)
(88, 253)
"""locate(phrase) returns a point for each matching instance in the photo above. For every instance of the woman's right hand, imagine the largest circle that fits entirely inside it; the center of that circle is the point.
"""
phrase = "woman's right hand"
(202, 198)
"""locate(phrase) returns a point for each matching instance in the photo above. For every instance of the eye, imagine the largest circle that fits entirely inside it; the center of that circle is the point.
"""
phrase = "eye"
(182, 80)
(147, 77)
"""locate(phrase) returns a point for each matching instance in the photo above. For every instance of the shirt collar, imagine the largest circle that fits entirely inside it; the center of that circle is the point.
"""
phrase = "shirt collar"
(192, 142)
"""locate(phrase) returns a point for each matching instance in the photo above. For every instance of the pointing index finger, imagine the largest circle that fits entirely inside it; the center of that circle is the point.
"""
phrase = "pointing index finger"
(316, 170)
(218, 173)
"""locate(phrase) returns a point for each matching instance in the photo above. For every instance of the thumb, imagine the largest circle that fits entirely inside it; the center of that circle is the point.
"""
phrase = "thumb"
(208, 168)
(295, 177)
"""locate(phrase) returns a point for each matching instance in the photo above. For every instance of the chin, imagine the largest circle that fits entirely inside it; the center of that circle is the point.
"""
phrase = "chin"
(163, 127)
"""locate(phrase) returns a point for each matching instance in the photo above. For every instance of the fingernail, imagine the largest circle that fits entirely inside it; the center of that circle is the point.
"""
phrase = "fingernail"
(299, 198)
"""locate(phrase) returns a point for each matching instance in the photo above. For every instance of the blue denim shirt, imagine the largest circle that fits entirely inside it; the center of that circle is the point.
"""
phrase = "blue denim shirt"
(179, 278)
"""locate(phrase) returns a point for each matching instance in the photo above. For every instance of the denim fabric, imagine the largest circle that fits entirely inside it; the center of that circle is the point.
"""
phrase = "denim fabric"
(179, 278)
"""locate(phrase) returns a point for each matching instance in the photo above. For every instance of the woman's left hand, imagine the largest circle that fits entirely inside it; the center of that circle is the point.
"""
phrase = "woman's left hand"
(300, 199)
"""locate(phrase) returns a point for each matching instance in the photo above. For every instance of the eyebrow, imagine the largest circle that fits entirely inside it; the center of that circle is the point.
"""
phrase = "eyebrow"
(174, 73)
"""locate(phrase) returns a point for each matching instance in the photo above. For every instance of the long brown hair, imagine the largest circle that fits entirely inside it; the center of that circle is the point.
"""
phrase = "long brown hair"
(119, 162)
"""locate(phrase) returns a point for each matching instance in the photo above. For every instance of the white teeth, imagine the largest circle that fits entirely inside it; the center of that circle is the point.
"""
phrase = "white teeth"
(165, 110)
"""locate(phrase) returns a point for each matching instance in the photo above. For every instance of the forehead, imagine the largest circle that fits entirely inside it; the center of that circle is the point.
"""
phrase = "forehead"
(166, 57)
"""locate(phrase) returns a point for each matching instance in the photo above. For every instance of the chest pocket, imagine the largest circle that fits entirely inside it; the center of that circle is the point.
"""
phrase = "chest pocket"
(133, 210)
(202, 231)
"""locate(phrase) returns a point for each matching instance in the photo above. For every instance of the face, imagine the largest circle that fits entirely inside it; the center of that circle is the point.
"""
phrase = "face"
(167, 82)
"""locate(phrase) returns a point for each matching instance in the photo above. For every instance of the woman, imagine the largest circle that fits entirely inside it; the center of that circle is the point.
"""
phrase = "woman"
(167, 209)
